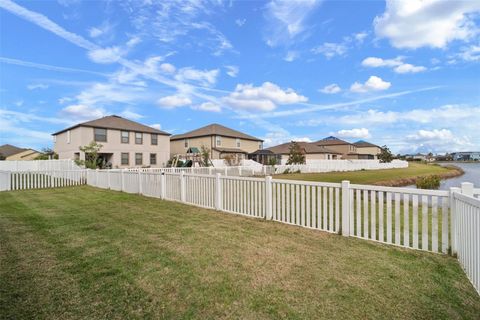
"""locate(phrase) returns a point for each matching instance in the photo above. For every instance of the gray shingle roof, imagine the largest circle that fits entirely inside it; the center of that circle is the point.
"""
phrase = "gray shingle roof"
(116, 122)
(364, 144)
(216, 130)
(307, 146)
(331, 141)
(8, 150)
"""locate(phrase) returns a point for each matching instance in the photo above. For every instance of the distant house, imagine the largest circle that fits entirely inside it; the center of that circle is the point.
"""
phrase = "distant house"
(416, 157)
(222, 142)
(10, 152)
(346, 149)
(367, 150)
(311, 150)
(125, 143)
(466, 156)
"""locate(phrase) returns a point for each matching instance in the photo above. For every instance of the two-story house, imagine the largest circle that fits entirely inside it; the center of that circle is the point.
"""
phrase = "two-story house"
(125, 143)
(367, 150)
(347, 149)
(311, 151)
(222, 142)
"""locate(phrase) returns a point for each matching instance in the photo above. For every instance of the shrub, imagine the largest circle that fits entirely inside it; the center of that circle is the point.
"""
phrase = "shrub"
(428, 182)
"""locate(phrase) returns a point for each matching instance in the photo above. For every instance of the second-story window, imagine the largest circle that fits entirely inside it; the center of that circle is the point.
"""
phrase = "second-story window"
(218, 141)
(125, 137)
(154, 138)
(138, 138)
(100, 135)
(238, 143)
(185, 143)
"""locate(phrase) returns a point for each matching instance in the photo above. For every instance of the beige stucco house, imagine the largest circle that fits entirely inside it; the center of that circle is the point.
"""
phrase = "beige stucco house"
(10, 152)
(367, 150)
(222, 142)
(125, 143)
(311, 151)
(346, 149)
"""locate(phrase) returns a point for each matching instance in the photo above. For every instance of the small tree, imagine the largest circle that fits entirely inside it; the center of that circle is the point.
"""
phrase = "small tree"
(205, 156)
(385, 155)
(272, 161)
(91, 155)
(296, 154)
(2, 157)
(47, 154)
(428, 182)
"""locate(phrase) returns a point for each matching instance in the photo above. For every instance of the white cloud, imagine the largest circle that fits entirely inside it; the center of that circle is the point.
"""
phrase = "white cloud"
(330, 50)
(167, 68)
(470, 53)
(131, 115)
(105, 93)
(174, 101)
(331, 89)
(433, 23)
(106, 55)
(291, 56)
(397, 64)
(277, 137)
(409, 68)
(264, 98)
(157, 126)
(360, 36)
(286, 19)
(232, 71)
(204, 77)
(102, 31)
(442, 140)
(79, 112)
(49, 67)
(360, 133)
(373, 83)
(208, 106)
(35, 86)
(240, 22)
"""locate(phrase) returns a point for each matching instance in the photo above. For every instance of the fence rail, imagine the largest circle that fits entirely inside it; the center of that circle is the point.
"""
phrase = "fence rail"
(24, 180)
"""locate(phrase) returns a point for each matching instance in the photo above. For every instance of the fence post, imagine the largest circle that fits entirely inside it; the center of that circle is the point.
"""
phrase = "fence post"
(108, 179)
(467, 188)
(453, 219)
(182, 186)
(162, 186)
(9, 184)
(346, 208)
(122, 174)
(140, 182)
(218, 192)
(268, 198)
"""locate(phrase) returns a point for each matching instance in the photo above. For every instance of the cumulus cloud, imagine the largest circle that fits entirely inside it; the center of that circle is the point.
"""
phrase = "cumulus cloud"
(106, 55)
(439, 140)
(265, 98)
(330, 50)
(208, 106)
(232, 71)
(80, 112)
(433, 23)
(174, 101)
(331, 89)
(360, 133)
(286, 19)
(397, 64)
(373, 83)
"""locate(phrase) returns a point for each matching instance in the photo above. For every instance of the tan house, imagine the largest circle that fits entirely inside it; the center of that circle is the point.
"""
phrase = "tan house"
(367, 150)
(346, 149)
(125, 143)
(311, 150)
(10, 152)
(223, 143)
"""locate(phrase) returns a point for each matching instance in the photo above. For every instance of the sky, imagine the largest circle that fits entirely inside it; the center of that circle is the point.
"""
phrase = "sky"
(405, 74)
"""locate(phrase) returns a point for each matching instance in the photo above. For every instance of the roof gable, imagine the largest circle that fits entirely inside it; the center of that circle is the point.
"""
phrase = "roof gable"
(117, 123)
(364, 144)
(308, 148)
(8, 150)
(214, 130)
(331, 141)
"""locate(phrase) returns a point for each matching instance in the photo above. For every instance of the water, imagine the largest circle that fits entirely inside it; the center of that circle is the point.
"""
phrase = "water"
(472, 174)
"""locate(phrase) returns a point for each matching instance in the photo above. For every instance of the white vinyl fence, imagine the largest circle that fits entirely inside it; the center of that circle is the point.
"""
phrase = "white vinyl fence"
(24, 180)
(38, 165)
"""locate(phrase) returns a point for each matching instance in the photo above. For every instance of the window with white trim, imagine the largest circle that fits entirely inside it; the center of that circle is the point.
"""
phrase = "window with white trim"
(238, 144)
(218, 141)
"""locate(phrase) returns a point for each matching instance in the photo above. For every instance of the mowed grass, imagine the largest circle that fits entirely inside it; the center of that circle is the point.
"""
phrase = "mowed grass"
(370, 176)
(85, 253)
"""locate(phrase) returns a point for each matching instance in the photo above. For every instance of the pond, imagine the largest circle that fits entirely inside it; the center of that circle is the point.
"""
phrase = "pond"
(472, 174)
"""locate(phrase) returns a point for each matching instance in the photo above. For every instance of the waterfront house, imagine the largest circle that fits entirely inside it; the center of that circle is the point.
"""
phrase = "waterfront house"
(346, 149)
(367, 150)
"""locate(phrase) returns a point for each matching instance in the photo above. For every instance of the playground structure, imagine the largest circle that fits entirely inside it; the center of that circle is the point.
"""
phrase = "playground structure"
(192, 158)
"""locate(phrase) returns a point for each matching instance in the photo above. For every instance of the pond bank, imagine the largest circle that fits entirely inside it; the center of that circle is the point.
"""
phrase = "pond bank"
(453, 172)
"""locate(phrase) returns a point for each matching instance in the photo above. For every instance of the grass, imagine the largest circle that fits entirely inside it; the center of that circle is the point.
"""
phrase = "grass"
(82, 252)
(388, 177)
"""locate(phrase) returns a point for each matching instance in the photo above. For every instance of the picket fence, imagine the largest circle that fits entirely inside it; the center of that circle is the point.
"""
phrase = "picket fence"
(430, 220)
(38, 165)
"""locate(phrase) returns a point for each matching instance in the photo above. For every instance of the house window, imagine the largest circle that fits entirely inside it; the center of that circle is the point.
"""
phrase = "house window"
(138, 138)
(154, 138)
(185, 143)
(238, 143)
(260, 145)
(100, 134)
(138, 159)
(76, 156)
(124, 160)
(68, 136)
(125, 137)
(153, 158)
(218, 141)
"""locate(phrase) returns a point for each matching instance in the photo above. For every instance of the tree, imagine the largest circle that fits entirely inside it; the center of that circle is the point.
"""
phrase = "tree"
(47, 154)
(91, 155)
(296, 154)
(205, 156)
(385, 155)
(2, 157)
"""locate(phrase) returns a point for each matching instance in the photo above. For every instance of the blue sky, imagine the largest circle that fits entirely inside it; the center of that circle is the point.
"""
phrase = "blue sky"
(401, 73)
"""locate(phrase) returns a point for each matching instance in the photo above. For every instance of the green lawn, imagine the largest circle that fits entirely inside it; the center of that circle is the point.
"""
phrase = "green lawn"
(86, 253)
(383, 177)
